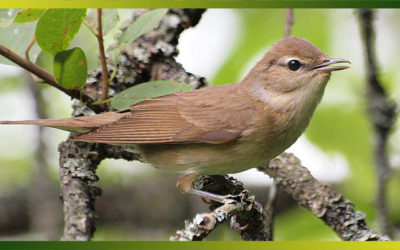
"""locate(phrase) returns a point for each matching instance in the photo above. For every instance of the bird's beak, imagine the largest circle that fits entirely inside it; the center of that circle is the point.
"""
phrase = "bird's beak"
(329, 61)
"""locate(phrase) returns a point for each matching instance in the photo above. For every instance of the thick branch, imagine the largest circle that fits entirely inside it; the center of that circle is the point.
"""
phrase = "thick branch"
(323, 202)
(253, 224)
(245, 214)
(203, 224)
(78, 163)
(45, 76)
(382, 113)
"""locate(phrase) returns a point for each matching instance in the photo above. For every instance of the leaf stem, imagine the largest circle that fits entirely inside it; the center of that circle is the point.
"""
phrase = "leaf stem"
(102, 102)
(90, 28)
(114, 73)
(30, 45)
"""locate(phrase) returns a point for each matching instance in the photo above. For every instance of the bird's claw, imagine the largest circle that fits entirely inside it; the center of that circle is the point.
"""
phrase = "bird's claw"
(208, 202)
(236, 226)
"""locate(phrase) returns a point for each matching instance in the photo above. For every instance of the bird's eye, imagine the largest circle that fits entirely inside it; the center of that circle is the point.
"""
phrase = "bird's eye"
(294, 65)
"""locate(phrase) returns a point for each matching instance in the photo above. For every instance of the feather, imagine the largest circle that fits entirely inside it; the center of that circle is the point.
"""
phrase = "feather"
(80, 124)
(190, 117)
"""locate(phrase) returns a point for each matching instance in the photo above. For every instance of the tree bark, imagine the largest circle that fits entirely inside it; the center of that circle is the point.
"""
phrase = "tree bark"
(328, 205)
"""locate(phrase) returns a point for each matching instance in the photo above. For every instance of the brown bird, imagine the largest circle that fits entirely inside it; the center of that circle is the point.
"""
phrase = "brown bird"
(219, 130)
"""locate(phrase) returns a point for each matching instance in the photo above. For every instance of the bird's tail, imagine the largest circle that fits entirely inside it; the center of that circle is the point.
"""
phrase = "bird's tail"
(80, 124)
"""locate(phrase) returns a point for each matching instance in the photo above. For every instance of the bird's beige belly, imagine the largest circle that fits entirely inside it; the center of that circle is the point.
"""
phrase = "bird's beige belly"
(203, 158)
(256, 147)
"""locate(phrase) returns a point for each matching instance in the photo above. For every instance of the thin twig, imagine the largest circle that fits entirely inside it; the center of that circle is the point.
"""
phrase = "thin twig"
(114, 73)
(269, 207)
(30, 45)
(104, 70)
(289, 22)
(45, 76)
(323, 202)
(271, 195)
(382, 113)
(90, 28)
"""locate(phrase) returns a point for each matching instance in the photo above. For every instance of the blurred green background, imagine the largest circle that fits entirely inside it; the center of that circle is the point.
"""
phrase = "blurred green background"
(223, 47)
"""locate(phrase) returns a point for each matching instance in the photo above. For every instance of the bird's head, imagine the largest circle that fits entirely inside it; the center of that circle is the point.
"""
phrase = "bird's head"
(292, 68)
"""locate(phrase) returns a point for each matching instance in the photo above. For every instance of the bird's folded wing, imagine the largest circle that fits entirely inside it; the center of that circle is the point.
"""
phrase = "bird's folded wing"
(179, 118)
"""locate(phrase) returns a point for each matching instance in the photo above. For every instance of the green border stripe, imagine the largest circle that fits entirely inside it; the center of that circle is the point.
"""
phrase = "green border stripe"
(201, 245)
(200, 3)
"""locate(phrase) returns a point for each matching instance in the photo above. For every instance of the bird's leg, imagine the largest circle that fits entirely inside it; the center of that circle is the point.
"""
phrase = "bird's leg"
(208, 195)
(185, 182)
(185, 185)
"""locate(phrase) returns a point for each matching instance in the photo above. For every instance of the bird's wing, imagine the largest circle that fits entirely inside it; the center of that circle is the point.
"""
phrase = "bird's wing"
(190, 117)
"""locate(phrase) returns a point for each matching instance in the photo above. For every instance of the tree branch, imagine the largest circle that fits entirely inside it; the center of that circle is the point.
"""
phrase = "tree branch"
(45, 76)
(203, 224)
(246, 215)
(382, 113)
(286, 169)
(323, 202)
(78, 163)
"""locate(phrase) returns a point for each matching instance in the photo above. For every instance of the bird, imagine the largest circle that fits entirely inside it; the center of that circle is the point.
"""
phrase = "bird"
(219, 129)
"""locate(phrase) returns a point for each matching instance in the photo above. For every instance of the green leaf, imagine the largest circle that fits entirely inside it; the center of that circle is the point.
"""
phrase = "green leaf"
(17, 37)
(142, 25)
(109, 19)
(57, 27)
(88, 43)
(7, 16)
(139, 27)
(145, 91)
(28, 15)
(70, 68)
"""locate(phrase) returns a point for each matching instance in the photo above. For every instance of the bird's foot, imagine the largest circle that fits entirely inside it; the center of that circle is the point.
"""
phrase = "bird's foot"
(208, 195)
(208, 202)
(185, 182)
(185, 185)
